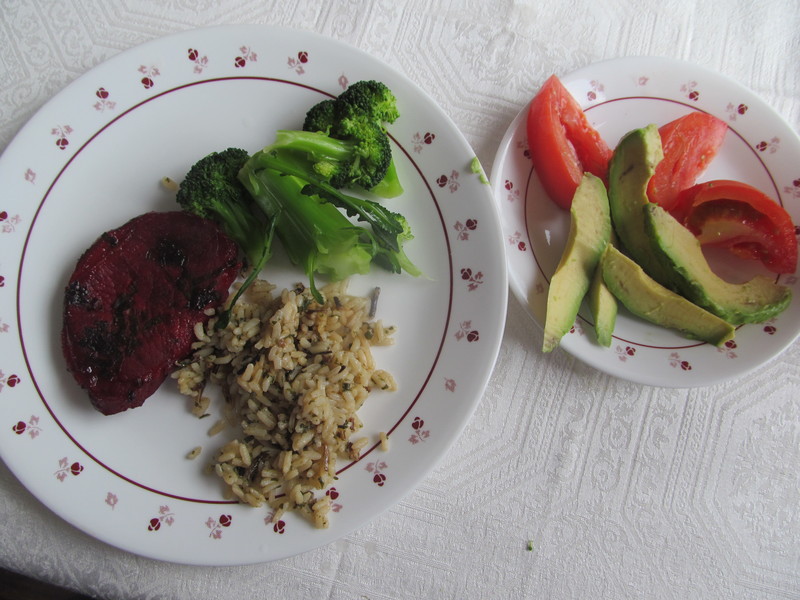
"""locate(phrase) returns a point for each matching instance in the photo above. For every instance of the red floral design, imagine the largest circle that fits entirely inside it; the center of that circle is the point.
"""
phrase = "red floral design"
(30, 175)
(103, 102)
(513, 193)
(333, 494)
(465, 331)
(112, 500)
(626, 352)
(735, 111)
(278, 526)
(31, 427)
(61, 133)
(200, 62)
(377, 468)
(449, 384)
(343, 82)
(729, 349)
(516, 240)
(473, 279)
(296, 63)
(165, 517)
(149, 73)
(771, 146)
(10, 381)
(451, 182)
(420, 140)
(420, 434)
(464, 228)
(689, 89)
(794, 190)
(675, 362)
(247, 55)
(216, 525)
(66, 469)
(8, 224)
(597, 88)
(523, 146)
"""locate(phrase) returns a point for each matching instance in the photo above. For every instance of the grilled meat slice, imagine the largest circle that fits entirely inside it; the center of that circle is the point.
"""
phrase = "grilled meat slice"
(131, 304)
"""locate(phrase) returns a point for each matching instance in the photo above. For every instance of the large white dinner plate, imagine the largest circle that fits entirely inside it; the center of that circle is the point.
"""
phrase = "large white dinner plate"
(624, 94)
(93, 157)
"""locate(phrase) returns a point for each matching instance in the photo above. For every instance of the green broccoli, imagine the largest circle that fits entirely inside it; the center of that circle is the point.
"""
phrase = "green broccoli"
(292, 189)
(320, 117)
(341, 163)
(359, 115)
(367, 98)
(315, 234)
(211, 189)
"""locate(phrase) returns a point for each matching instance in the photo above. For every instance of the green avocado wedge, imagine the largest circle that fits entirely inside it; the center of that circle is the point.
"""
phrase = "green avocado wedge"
(666, 250)
(603, 306)
(589, 232)
(679, 251)
(648, 299)
(630, 170)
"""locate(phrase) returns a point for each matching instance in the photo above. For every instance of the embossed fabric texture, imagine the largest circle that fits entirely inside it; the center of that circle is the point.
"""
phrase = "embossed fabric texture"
(566, 483)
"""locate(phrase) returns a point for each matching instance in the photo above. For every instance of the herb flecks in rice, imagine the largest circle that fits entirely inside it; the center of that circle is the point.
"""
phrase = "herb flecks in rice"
(293, 374)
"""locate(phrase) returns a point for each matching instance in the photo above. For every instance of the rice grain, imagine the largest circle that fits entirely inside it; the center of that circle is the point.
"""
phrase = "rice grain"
(293, 374)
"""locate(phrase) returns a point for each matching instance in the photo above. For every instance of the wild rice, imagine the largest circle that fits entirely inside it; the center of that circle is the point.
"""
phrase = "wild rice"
(293, 374)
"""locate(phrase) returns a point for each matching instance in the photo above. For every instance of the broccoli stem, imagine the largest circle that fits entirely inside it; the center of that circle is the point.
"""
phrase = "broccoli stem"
(389, 186)
(314, 234)
(266, 253)
(370, 212)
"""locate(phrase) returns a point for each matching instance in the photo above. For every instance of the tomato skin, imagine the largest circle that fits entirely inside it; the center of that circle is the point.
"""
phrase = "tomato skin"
(689, 143)
(562, 143)
(744, 220)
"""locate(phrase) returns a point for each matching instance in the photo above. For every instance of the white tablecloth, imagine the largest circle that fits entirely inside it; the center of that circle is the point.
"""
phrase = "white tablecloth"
(567, 483)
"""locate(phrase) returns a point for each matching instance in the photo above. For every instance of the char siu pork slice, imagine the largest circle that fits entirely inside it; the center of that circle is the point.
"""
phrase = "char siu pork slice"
(133, 300)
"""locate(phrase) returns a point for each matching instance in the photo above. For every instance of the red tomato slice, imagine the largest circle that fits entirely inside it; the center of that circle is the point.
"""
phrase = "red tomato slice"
(690, 143)
(744, 220)
(563, 145)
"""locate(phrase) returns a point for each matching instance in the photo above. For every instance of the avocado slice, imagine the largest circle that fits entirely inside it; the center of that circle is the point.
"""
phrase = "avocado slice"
(589, 232)
(603, 306)
(670, 253)
(679, 251)
(631, 168)
(648, 299)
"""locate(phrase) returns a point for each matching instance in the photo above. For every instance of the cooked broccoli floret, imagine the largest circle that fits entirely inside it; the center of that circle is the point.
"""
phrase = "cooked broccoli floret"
(315, 234)
(359, 115)
(211, 189)
(293, 189)
(341, 162)
(320, 117)
(371, 98)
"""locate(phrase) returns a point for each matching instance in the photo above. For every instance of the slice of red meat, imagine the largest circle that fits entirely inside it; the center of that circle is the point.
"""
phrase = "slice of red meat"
(133, 300)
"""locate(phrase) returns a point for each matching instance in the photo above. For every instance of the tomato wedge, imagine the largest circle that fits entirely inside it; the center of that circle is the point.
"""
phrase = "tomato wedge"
(690, 143)
(563, 144)
(744, 220)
